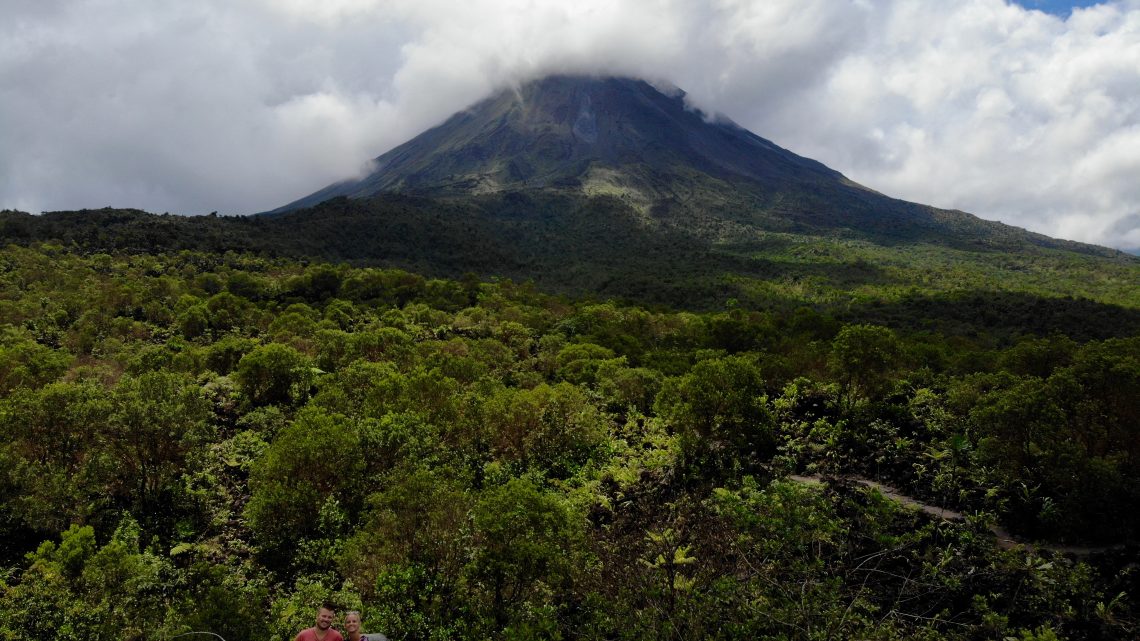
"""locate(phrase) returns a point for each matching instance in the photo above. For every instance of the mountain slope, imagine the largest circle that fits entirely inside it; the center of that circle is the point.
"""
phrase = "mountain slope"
(674, 166)
(579, 133)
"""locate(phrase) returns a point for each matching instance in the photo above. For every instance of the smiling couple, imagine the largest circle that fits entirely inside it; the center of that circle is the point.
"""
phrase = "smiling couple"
(323, 630)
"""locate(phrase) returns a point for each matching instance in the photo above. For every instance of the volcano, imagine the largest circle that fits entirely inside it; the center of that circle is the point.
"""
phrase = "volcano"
(612, 136)
(615, 187)
(646, 147)
(564, 143)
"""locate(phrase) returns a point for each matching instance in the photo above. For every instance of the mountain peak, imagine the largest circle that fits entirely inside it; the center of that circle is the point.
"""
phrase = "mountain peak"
(670, 165)
(595, 135)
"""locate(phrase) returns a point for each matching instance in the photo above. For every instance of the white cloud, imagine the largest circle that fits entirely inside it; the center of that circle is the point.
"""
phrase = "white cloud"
(242, 105)
(330, 13)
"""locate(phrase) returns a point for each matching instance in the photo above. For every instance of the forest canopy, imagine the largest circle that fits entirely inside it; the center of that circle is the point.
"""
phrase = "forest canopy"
(221, 441)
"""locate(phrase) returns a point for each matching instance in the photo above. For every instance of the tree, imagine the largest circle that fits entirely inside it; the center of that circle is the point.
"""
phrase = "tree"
(409, 554)
(552, 428)
(720, 410)
(75, 590)
(314, 460)
(159, 418)
(26, 363)
(626, 387)
(53, 439)
(524, 538)
(863, 357)
(579, 362)
(274, 374)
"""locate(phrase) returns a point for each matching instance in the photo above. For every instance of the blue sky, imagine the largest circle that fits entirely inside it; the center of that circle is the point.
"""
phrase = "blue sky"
(1026, 113)
(1056, 7)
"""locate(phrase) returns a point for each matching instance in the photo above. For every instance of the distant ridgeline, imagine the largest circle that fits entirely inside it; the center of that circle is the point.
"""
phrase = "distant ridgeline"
(597, 247)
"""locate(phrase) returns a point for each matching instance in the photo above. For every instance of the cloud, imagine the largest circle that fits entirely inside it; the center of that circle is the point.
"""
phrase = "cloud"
(242, 105)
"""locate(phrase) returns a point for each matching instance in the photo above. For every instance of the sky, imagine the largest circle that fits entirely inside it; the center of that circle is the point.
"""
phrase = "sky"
(1026, 113)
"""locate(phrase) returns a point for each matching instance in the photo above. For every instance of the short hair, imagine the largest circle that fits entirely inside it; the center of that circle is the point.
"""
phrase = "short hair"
(328, 605)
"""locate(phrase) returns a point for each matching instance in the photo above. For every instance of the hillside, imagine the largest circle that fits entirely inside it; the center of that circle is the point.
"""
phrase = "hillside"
(596, 247)
(675, 168)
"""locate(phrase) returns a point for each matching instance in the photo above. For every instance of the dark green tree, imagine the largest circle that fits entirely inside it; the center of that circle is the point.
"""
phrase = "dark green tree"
(274, 374)
(864, 358)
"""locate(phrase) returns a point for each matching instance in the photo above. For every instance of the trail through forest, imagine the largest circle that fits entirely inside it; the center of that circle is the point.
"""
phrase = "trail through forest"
(1005, 539)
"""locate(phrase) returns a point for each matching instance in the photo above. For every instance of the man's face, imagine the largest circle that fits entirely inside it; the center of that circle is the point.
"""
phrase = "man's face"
(324, 619)
(351, 623)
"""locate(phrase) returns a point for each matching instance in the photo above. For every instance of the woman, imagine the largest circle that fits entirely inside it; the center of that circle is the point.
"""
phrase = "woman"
(352, 631)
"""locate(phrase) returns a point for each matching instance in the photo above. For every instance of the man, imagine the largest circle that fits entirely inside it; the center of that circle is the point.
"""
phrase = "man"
(352, 631)
(323, 630)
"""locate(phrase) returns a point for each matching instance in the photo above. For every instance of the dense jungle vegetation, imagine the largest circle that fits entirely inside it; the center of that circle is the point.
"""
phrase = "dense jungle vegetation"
(218, 441)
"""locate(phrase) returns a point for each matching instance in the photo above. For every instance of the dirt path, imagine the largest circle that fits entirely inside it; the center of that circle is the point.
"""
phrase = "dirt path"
(1005, 540)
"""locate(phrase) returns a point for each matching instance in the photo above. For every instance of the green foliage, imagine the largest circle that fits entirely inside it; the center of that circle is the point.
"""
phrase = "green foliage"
(26, 363)
(863, 358)
(159, 418)
(626, 387)
(313, 461)
(218, 441)
(274, 374)
(77, 591)
(57, 457)
(408, 555)
(524, 550)
(552, 428)
(224, 354)
(721, 412)
(578, 363)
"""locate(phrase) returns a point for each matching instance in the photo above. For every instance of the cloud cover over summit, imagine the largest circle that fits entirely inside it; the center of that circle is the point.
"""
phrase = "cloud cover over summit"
(982, 105)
